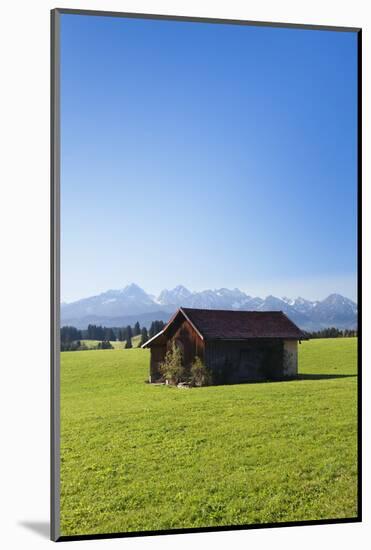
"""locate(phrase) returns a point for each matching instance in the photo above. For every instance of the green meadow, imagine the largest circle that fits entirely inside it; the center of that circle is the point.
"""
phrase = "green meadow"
(138, 457)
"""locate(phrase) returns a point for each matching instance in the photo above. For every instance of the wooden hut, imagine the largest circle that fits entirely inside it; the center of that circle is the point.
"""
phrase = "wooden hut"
(236, 346)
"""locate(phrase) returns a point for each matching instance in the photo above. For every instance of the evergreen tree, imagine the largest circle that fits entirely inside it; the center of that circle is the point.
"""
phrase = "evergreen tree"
(144, 336)
(95, 332)
(136, 330)
(70, 334)
(104, 344)
(90, 335)
(129, 343)
(156, 327)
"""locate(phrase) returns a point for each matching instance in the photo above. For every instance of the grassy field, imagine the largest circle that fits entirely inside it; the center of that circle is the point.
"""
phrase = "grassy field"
(116, 344)
(139, 457)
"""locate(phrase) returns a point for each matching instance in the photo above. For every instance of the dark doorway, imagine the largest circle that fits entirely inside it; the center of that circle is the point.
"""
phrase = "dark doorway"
(251, 364)
(262, 361)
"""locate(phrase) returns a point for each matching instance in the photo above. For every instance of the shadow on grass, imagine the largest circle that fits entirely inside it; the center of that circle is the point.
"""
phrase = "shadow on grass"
(323, 376)
(264, 381)
(290, 379)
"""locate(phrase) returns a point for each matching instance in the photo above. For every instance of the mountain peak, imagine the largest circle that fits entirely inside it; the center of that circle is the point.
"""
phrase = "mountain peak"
(181, 288)
(337, 299)
(132, 290)
(272, 298)
(336, 296)
(175, 296)
(132, 286)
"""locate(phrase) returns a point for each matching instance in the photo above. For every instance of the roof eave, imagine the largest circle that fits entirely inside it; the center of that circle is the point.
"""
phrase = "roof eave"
(171, 320)
(145, 345)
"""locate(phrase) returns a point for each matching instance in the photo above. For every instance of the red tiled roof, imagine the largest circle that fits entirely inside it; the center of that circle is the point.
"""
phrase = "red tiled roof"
(238, 325)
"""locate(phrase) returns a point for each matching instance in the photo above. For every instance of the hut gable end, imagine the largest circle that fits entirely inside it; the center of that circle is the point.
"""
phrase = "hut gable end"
(189, 341)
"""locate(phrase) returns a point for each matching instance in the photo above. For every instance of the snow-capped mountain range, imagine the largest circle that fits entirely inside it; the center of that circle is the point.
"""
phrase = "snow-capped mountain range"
(132, 303)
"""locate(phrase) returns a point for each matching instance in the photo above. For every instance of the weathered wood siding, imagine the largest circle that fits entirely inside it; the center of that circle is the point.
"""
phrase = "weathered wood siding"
(242, 361)
(189, 341)
(157, 357)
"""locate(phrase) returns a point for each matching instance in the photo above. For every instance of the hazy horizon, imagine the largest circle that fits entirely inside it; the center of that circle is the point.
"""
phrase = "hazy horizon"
(209, 156)
(246, 291)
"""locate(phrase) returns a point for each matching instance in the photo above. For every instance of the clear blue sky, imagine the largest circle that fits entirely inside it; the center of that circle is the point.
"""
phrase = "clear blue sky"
(207, 155)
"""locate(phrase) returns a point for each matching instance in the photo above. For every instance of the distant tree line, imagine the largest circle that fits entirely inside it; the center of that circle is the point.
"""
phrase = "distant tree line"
(97, 332)
(332, 332)
(71, 336)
